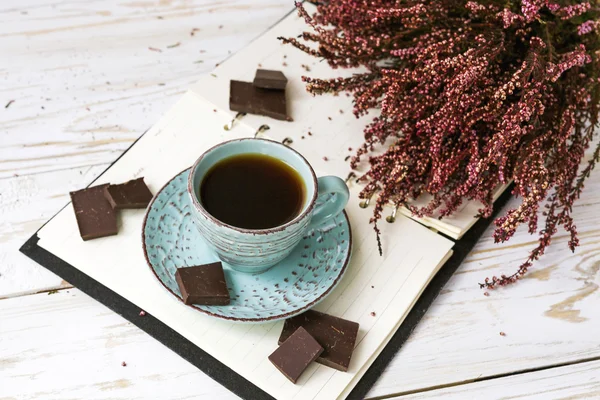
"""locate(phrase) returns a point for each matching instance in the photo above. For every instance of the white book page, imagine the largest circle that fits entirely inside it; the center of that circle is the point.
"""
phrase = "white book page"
(336, 133)
(387, 286)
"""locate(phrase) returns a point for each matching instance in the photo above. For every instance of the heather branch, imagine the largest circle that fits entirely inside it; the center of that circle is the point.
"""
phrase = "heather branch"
(472, 94)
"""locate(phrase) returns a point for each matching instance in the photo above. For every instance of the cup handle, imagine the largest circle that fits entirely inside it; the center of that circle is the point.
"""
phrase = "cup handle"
(326, 211)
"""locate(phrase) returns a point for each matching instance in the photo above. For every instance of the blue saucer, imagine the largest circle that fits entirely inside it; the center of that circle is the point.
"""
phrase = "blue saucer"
(307, 276)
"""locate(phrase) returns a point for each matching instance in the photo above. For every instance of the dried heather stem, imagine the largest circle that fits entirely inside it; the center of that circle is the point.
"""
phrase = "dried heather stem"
(475, 94)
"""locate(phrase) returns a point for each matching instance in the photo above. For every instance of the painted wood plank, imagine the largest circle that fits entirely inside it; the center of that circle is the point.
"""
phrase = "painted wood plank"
(68, 346)
(577, 381)
(88, 78)
(550, 317)
(26, 203)
(89, 343)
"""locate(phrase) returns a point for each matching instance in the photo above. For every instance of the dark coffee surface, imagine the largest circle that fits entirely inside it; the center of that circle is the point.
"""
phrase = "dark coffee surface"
(252, 191)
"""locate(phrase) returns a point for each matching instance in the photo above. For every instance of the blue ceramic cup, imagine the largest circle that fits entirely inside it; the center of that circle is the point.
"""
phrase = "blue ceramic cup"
(256, 250)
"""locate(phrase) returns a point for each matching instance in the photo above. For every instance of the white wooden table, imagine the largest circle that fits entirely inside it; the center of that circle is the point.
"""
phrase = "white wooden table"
(87, 78)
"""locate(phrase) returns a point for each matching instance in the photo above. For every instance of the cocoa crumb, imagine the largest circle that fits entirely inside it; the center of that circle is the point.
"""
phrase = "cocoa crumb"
(284, 64)
(193, 32)
(220, 26)
(502, 334)
(155, 49)
(142, 313)
(486, 294)
(309, 133)
(341, 111)
(301, 137)
(124, 364)
(325, 159)
(373, 313)
(329, 118)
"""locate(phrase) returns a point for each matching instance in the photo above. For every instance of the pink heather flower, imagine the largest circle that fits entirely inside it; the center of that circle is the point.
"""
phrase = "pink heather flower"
(553, 7)
(470, 95)
(531, 8)
(569, 12)
(509, 18)
(474, 7)
(587, 27)
(578, 57)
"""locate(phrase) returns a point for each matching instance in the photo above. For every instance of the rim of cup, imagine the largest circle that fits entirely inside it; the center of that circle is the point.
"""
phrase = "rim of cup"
(195, 196)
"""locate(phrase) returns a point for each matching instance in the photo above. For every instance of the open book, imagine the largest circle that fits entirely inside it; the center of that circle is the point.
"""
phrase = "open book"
(376, 291)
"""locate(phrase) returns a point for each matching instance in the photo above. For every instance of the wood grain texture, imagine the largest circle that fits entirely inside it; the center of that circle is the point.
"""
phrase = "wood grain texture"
(69, 56)
(81, 356)
(26, 203)
(549, 318)
(85, 85)
(88, 78)
(577, 381)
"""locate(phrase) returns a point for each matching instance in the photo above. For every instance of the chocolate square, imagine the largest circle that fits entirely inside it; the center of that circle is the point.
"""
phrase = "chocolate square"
(269, 79)
(203, 284)
(245, 97)
(132, 194)
(295, 354)
(336, 335)
(95, 216)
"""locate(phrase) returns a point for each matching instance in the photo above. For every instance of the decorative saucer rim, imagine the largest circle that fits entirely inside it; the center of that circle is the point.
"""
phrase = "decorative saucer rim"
(237, 319)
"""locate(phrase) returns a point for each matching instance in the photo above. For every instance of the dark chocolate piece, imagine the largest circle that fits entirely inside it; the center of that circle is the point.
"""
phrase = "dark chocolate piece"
(245, 97)
(268, 79)
(95, 216)
(203, 284)
(132, 194)
(336, 335)
(295, 354)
